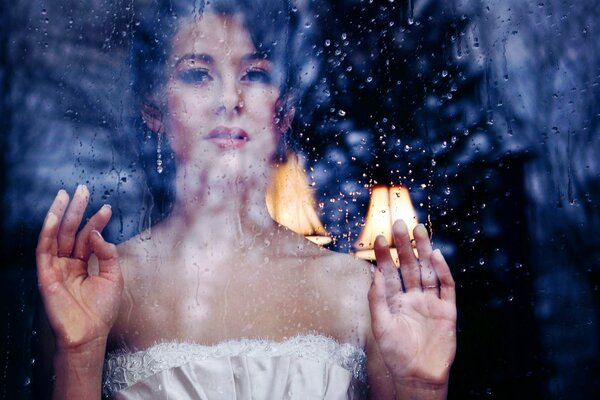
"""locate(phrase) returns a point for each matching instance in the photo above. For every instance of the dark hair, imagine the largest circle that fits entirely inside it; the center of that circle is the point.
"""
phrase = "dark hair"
(278, 29)
(282, 30)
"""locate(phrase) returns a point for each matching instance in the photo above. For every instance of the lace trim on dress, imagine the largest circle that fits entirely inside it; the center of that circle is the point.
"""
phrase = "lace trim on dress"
(123, 369)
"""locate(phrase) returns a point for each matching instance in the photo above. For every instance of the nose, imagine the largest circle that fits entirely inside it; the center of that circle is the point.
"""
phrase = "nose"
(232, 101)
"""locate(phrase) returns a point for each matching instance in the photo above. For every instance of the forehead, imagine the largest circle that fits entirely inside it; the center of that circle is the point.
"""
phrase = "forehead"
(216, 35)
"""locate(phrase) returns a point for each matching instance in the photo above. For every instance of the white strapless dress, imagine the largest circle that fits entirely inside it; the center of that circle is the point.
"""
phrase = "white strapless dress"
(302, 367)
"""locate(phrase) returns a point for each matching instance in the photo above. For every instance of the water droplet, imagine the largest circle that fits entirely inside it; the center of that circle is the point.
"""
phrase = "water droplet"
(27, 381)
(481, 261)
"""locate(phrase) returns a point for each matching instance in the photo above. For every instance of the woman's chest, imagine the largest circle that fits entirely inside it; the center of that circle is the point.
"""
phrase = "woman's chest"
(210, 304)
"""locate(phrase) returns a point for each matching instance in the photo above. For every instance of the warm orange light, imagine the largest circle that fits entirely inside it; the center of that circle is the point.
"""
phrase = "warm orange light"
(291, 203)
(386, 205)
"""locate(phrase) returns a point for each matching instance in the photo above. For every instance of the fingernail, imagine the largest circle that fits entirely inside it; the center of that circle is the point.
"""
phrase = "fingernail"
(107, 206)
(51, 218)
(381, 239)
(95, 232)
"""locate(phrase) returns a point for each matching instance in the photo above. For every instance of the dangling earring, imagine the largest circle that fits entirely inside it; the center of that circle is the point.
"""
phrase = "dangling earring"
(159, 163)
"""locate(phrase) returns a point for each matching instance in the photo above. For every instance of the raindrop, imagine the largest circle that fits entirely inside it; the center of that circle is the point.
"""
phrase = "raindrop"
(27, 381)
(341, 113)
(481, 261)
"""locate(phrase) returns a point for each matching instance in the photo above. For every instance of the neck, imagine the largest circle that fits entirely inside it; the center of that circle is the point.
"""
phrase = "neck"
(230, 210)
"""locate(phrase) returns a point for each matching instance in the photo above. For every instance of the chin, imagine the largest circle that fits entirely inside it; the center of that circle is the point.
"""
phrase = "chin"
(232, 169)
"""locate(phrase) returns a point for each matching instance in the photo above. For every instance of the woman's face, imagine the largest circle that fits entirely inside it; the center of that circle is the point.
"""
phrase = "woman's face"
(220, 98)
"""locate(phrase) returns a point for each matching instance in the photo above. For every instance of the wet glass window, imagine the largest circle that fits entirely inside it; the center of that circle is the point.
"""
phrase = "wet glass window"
(477, 119)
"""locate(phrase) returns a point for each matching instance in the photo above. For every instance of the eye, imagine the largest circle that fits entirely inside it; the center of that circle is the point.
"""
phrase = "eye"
(256, 74)
(194, 75)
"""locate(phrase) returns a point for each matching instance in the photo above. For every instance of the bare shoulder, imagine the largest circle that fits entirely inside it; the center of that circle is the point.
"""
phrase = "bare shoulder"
(345, 280)
(137, 245)
(345, 269)
(138, 251)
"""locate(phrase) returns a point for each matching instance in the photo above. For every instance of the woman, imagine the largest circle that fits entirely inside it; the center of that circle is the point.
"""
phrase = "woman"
(217, 300)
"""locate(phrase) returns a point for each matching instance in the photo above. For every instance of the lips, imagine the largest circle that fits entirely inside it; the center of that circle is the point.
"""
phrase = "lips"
(228, 138)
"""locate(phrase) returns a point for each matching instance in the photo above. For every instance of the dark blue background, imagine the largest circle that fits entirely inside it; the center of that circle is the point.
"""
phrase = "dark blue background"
(487, 111)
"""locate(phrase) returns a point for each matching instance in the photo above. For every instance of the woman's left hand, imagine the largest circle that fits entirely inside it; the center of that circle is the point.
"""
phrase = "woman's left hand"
(413, 312)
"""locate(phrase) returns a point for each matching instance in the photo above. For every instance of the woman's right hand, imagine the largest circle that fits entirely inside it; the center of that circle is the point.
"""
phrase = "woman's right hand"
(81, 307)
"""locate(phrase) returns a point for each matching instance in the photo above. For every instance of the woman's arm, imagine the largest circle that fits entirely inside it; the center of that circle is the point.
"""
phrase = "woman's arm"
(413, 316)
(80, 308)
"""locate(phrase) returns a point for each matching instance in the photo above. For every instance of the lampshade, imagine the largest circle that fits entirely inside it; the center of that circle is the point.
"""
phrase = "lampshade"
(291, 203)
(386, 205)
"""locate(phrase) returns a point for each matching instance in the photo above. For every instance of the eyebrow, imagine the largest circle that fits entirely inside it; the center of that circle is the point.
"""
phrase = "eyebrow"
(196, 56)
(255, 56)
(208, 59)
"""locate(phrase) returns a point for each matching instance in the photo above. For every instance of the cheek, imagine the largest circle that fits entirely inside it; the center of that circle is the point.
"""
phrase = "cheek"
(186, 111)
(262, 105)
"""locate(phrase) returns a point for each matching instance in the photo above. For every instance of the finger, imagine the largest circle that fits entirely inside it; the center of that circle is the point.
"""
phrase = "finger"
(380, 312)
(393, 284)
(82, 249)
(72, 220)
(108, 258)
(447, 286)
(409, 265)
(428, 277)
(47, 242)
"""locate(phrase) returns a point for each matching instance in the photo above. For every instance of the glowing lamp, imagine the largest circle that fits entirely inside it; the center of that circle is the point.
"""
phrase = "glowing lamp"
(291, 203)
(386, 205)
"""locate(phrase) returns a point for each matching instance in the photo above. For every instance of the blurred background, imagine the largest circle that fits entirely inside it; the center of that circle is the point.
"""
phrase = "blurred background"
(486, 111)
